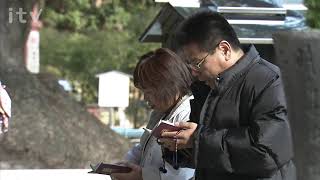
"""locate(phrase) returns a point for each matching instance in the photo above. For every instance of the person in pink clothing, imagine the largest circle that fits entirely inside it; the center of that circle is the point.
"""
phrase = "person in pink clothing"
(5, 109)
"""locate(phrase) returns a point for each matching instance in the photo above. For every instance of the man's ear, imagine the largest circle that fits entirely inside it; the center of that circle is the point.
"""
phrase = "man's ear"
(225, 48)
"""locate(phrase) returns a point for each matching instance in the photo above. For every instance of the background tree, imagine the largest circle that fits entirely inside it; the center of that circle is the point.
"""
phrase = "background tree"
(48, 129)
(313, 15)
(81, 40)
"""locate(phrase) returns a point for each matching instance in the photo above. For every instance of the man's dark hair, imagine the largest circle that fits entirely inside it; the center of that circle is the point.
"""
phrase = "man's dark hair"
(206, 29)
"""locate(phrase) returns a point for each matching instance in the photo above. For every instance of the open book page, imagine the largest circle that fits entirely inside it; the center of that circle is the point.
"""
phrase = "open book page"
(163, 126)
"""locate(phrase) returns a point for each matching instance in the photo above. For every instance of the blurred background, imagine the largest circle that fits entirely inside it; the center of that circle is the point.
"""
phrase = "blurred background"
(67, 66)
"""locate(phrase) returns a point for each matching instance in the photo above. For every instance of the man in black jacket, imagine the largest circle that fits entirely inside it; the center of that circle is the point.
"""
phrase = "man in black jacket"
(240, 129)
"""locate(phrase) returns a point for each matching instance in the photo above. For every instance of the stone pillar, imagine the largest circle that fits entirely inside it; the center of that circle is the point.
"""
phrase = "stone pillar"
(298, 56)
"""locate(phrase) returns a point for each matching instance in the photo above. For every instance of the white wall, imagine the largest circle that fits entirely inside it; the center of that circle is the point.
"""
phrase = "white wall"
(51, 174)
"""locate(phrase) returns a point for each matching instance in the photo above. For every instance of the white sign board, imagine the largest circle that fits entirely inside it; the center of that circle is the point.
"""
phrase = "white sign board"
(113, 89)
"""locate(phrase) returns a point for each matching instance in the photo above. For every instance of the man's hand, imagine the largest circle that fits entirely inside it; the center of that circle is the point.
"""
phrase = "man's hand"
(134, 174)
(184, 137)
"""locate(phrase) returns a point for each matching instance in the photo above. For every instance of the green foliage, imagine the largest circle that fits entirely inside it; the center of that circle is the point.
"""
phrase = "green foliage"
(80, 41)
(70, 15)
(313, 15)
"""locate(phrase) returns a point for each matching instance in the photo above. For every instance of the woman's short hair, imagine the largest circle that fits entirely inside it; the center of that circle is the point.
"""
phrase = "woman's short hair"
(163, 72)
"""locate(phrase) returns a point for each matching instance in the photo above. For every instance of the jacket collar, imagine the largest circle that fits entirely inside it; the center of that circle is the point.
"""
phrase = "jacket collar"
(225, 78)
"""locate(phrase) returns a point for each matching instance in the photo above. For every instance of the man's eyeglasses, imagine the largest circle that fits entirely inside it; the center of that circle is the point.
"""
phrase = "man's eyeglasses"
(197, 65)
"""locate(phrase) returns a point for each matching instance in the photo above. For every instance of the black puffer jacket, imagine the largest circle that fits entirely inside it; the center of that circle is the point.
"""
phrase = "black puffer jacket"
(245, 134)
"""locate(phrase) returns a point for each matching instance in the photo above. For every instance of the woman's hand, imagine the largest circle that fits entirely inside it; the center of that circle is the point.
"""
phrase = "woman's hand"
(184, 137)
(134, 174)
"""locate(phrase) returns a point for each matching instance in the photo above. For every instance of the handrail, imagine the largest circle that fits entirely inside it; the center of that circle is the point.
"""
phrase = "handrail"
(251, 10)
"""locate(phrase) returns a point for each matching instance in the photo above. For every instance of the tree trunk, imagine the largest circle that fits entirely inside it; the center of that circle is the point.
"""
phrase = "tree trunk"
(48, 128)
(298, 55)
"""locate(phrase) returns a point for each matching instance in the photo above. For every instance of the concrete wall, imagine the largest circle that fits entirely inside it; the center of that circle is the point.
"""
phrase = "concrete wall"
(298, 56)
